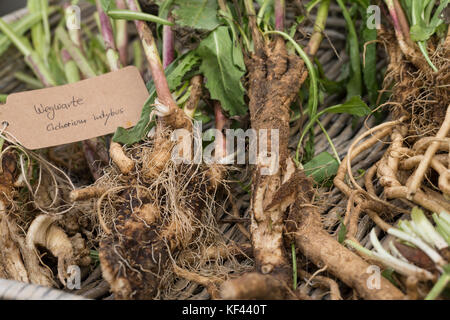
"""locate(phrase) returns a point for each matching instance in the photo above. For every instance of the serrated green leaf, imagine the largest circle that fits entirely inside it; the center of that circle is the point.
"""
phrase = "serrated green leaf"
(223, 76)
(175, 73)
(354, 106)
(197, 14)
(322, 167)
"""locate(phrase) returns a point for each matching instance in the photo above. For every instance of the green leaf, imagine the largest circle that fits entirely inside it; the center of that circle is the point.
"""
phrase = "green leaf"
(354, 86)
(197, 14)
(389, 274)
(354, 106)
(420, 32)
(223, 76)
(175, 73)
(106, 4)
(322, 167)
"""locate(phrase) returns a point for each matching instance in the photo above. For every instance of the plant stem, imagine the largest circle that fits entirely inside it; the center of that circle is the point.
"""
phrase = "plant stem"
(319, 27)
(294, 267)
(30, 81)
(22, 26)
(37, 31)
(70, 67)
(75, 53)
(137, 55)
(46, 27)
(168, 44)
(122, 34)
(134, 15)
(279, 14)
(152, 55)
(330, 141)
(220, 121)
(3, 98)
(438, 287)
(355, 60)
(31, 57)
(257, 38)
(261, 11)
(108, 37)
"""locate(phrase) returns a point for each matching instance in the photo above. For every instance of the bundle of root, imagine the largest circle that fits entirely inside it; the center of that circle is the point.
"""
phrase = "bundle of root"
(414, 169)
(158, 221)
(27, 234)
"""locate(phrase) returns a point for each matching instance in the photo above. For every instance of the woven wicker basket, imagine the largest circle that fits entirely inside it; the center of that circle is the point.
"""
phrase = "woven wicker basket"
(341, 128)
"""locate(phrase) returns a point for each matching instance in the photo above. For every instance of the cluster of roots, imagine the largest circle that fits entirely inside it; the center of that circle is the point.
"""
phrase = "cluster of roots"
(415, 168)
(158, 222)
(38, 245)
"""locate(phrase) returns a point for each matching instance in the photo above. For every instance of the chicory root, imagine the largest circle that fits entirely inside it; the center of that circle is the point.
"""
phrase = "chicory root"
(44, 232)
(119, 158)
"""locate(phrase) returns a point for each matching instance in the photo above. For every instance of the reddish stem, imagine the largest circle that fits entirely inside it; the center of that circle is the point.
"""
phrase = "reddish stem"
(402, 20)
(108, 38)
(279, 14)
(220, 121)
(168, 44)
(151, 53)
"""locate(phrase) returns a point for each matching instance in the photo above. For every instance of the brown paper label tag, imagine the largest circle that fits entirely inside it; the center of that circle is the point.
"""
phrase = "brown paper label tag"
(75, 112)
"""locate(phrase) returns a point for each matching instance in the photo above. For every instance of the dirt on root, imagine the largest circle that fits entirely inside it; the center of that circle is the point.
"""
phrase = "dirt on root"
(423, 96)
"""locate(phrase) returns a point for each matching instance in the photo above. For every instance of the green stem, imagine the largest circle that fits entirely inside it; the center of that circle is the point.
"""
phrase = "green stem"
(21, 43)
(416, 16)
(70, 67)
(423, 49)
(138, 57)
(75, 53)
(294, 267)
(355, 61)
(37, 31)
(29, 80)
(319, 27)
(122, 35)
(336, 154)
(31, 57)
(439, 286)
(46, 28)
(19, 28)
(141, 16)
(261, 11)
